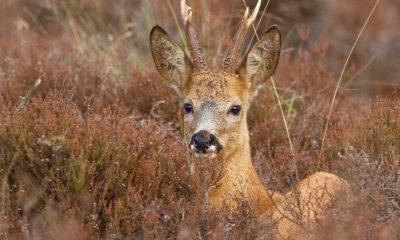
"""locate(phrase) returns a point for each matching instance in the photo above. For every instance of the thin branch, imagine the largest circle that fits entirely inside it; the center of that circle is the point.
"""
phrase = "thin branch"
(284, 215)
(278, 99)
(180, 31)
(341, 77)
(29, 94)
(359, 72)
(256, 28)
(283, 116)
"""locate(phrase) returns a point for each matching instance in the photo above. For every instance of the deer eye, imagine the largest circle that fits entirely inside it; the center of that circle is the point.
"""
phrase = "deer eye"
(188, 108)
(235, 110)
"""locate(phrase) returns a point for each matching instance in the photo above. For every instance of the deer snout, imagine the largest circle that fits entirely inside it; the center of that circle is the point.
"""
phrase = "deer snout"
(204, 142)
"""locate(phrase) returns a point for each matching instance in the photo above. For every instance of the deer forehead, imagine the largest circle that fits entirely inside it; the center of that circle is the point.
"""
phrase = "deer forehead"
(217, 86)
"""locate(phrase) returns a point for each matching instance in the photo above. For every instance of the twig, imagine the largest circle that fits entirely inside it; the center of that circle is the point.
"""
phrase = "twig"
(258, 25)
(25, 100)
(180, 31)
(278, 98)
(284, 215)
(340, 79)
(283, 116)
(359, 72)
(273, 84)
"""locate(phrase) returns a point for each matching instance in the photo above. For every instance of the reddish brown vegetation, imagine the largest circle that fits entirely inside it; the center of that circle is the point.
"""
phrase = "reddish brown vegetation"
(97, 151)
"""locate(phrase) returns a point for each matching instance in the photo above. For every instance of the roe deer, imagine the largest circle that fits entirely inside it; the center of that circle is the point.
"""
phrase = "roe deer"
(214, 119)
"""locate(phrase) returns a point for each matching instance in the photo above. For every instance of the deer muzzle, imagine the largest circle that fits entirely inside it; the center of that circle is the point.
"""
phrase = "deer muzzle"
(204, 142)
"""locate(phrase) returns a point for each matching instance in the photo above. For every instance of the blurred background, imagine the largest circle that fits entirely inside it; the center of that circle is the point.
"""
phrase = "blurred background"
(119, 32)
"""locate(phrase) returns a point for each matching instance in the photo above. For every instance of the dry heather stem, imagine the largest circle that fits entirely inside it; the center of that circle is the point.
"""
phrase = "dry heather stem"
(341, 77)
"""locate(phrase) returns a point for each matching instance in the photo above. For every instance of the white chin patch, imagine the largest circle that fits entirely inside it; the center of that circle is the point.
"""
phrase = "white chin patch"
(213, 155)
(209, 155)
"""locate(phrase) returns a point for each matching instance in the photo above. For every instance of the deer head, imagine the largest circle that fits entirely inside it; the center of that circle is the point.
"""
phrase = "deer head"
(215, 103)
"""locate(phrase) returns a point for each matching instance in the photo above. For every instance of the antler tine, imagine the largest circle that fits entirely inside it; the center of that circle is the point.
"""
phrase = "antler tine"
(232, 58)
(199, 63)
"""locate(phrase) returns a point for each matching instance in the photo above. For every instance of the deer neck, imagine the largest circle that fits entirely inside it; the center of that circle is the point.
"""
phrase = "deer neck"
(240, 181)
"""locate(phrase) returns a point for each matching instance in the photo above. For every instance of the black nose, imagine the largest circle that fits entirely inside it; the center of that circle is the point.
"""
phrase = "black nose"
(203, 141)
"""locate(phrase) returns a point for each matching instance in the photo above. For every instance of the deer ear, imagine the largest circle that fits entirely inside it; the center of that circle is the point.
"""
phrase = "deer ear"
(170, 60)
(262, 59)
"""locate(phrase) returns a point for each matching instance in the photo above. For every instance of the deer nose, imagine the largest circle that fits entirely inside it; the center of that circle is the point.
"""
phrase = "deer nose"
(204, 141)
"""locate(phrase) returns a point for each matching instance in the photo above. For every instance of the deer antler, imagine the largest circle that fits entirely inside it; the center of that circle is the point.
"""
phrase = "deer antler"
(199, 63)
(232, 58)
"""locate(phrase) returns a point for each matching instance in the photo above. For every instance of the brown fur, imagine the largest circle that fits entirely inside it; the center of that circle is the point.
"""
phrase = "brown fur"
(212, 94)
